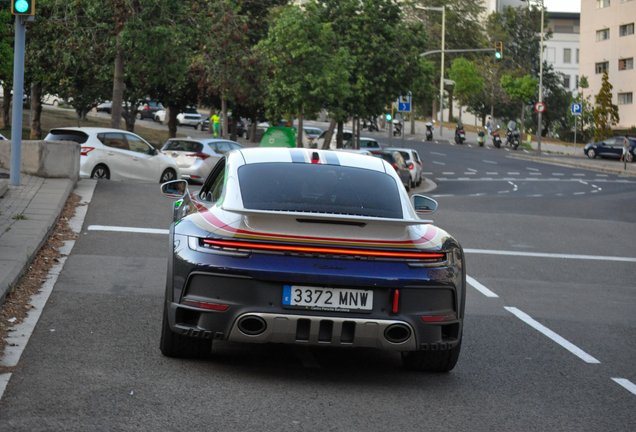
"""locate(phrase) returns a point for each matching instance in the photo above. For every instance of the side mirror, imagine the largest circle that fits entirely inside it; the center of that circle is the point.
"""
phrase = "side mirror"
(175, 189)
(423, 204)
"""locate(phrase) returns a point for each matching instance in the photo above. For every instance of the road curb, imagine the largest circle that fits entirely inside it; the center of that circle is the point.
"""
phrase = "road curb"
(573, 164)
(26, 241)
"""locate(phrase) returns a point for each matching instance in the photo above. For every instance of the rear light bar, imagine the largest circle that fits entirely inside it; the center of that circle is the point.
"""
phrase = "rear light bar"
(335, 251)
(85, 150)
(439, 318)
(202, 156)
(205, 305)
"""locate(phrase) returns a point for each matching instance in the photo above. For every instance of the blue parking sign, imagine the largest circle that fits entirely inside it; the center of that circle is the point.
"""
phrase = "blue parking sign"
(577, 108)
(404, 103)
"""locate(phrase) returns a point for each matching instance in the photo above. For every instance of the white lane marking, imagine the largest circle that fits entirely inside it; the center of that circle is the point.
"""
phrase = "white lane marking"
(558, 174)
(470, 169)
(503, 192)
(533, 173)
(594, 191)
(463, 178)
(18, 340)
(427, 173)
(470, 173)
(440, 154)
(579, 193)
(477, 194)
(492, 173)
(442, 178)
(550, 255)
(128, 229)
(514, 185)
(469, 145)
(581, 181)
(552, 335)
(438, 196)
(601, 175)
(554, 179)
(536, 195)
(578, 174)
(626, 384)
(526, 151)
(490, 162)
(439, 163)
(448, 173)
(532, 169)
(513, 173)
(479, 287)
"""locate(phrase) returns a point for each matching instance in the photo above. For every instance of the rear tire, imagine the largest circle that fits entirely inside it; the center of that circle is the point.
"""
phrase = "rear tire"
(168, 175)
(178, 346)
(101, 172)
(591, 153)
(431, 361)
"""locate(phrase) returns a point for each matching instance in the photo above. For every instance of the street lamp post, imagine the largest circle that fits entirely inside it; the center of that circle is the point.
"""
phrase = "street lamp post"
(540, 77)
(441, 75)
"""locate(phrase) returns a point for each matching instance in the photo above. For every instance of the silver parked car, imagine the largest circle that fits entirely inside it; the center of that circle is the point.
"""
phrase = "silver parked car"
(197, 157)
(117, 155)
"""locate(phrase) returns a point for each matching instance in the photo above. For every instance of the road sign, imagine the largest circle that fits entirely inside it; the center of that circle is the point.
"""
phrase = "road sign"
(539, 107)
(404, 103)
(576, 109)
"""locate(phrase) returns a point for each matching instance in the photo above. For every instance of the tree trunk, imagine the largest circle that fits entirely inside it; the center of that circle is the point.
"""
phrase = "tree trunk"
(224, 123)
(118, 88)
(339, 134)
(434, 115)
(36, 108)
(253, 131)
(210, 124)
(301, 131)
(332, 126)
(5, 116)
(523, 119)
(234, 133)
(291, 119)
(358, 135)
(460, 108)
(353, 135)
(172, 122)
(450, 105)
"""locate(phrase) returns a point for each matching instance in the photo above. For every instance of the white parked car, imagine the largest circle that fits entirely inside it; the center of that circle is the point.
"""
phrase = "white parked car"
(117, 155)
(318, 142)
(197, 157)
(189, 117)
(414, 163)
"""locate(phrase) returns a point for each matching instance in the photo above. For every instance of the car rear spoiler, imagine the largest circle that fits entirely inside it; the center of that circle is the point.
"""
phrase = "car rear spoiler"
(327, 217)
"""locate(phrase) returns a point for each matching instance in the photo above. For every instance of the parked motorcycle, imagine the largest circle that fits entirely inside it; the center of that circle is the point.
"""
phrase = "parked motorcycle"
(496, 139)
(429, 131)
(460, 135)
(512, 135)
(481, 138)
(397, 128)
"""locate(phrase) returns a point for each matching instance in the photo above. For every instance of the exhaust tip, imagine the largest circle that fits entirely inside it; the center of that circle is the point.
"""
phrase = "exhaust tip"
(252, 325)
(397, 333)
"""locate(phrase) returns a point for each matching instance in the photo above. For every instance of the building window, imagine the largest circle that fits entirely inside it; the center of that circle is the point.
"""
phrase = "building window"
(625, 98)
(626, 30)
(600, 4)
(576, 82)
(567, 55)
(577, 56)
(566, 82)
(624, 64)
(602, 35)
(601, 67)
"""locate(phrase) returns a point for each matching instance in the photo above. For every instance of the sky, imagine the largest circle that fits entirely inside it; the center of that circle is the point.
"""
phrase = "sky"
(563, 5)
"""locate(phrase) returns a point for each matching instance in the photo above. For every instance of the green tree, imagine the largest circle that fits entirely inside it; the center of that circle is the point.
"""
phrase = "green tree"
(521, 90)
(309, 70)
(467, 80)
(6, 62)
(605, 112)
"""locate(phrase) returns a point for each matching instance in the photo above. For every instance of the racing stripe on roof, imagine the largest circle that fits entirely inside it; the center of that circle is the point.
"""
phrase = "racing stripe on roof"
(331, 158)
(297, 155)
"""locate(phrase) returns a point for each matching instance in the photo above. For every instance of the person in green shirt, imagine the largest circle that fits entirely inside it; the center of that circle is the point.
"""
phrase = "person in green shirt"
(215, 123)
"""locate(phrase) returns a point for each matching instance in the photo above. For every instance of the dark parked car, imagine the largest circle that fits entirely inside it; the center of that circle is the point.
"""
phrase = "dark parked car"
(148, 110)
(311, 247)
(610, 147)
(240, 126)
(396, 160)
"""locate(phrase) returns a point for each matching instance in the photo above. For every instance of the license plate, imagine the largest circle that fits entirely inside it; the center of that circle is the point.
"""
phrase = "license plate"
(327, 299)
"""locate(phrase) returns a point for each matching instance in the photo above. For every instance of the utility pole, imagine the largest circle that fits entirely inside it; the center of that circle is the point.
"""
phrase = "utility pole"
(18, 94)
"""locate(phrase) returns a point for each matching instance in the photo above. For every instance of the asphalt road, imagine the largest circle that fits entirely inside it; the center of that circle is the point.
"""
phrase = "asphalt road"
(537, 248)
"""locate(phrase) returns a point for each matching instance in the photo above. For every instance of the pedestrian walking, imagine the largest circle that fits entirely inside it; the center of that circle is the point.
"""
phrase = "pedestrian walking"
(215, 123)
(625, 148)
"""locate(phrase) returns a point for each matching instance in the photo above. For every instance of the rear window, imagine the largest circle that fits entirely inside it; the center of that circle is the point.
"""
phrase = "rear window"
(67, 135)
(387, 157)
(186, 146)
(405, 155)
(369, 144)
(319, 188)
(191, 111)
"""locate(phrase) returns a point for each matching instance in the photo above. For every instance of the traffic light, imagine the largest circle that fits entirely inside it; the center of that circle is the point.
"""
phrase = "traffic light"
(389, 117)
(498, 50)
(23, 7)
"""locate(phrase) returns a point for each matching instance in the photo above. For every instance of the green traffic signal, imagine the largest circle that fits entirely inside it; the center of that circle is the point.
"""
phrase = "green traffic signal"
(389, 117)
(23, 7)
(498, 50)
(498, 55)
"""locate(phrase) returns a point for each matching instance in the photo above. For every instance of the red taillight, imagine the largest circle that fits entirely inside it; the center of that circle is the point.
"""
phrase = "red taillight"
(396, 299)
(86, 150)
(439, 318)
(307, 249)
(204, 305)
(411, 165)
(202, 156)
(147, 108)
(419, 163)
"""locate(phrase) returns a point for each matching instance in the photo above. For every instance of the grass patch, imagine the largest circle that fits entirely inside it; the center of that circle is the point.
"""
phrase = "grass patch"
(526, 146)
(19, 217)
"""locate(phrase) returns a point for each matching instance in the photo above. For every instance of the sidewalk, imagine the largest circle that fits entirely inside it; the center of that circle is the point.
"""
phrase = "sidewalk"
(28, 214)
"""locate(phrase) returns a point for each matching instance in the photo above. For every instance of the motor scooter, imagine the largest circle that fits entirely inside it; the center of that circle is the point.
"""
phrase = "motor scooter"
(481, 138)
(512, 135)
(460, 135)
(397, 128)
(429, 131)
(496, 139)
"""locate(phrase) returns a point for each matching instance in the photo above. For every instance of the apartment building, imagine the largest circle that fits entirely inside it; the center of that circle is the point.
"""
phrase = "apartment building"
(608, 43)
(562, 49)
